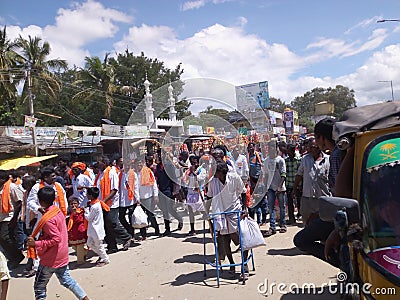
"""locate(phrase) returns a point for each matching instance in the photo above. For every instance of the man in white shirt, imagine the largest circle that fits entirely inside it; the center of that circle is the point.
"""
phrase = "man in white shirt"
(128, 195)
(241, 164)
(148, 194)
(108, 184)
(313, 172)
(228, 194)
(47, 178)
(274, 179)
(80, 183)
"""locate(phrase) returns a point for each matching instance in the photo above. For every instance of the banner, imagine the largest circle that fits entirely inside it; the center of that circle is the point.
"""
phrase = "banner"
(210, 130)
(30, 121)
(242, 130)
(255, 93)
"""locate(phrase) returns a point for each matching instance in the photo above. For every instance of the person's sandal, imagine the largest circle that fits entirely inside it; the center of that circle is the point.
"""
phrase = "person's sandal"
(269, 233)
(283, 229)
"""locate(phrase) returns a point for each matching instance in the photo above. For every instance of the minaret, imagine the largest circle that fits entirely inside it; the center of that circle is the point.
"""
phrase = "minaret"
(171, 103)
(148, 98)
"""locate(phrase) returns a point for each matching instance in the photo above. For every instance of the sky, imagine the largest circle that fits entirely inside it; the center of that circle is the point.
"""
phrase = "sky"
(294, 45)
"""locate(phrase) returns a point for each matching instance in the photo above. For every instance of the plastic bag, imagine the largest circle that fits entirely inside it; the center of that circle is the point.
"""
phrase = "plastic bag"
(251, 234)
(139, 218)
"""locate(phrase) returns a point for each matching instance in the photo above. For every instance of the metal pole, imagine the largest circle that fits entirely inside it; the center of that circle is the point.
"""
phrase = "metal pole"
(31, 111)
(391, 86)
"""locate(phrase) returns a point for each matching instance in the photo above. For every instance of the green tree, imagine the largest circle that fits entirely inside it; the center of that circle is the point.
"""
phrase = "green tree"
(9, 78)
(97, 81)
(342, 98)
(44, 82)
(131, 72)
(276, 104)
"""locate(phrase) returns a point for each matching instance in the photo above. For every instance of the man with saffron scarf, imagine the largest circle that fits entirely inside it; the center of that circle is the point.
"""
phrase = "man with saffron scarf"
(148, 193)
(11, 201)
(47, 178)
(107, 181)
(80, 181)
(166, 178)
(129, 193)
(52, 247)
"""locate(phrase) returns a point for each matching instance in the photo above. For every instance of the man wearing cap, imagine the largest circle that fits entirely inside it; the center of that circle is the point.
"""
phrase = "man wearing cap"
(80, 182)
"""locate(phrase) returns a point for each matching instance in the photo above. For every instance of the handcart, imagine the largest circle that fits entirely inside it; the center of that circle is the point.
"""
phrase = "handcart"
(216, 263)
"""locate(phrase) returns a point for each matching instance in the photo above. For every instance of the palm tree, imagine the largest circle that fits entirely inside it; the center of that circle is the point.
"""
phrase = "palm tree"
(44, 81)
(98, 81)
(9, 75)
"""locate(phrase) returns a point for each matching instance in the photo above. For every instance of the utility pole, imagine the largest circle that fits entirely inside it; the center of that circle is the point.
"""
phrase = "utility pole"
(31, 111)
(391, 86)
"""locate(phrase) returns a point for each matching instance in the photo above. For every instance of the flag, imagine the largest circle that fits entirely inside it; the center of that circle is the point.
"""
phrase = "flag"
(30, 121)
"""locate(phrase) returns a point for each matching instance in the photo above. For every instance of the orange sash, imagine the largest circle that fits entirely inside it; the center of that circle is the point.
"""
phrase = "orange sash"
(103, 205)
(131, 185)
(5, 198)
(146, 177)
(105, 185)
(71, 220)
(60, 199)
(18, 181)
(51, 213)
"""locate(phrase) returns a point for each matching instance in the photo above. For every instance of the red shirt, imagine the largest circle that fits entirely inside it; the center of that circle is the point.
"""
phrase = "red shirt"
(77, 235)
(52, 246)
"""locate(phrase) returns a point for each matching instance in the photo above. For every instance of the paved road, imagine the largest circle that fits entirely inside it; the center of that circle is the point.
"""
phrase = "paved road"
(172, 268)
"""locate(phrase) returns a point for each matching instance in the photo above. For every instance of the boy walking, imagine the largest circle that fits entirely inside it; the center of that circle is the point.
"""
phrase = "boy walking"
(95, 231)
(52, 247)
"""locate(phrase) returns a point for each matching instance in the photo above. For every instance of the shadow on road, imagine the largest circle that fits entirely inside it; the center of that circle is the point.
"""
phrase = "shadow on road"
(210, 280)
(285, 252)
(193, 258)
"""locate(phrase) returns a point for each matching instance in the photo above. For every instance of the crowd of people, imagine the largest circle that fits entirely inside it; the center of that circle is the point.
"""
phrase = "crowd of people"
(91, 206)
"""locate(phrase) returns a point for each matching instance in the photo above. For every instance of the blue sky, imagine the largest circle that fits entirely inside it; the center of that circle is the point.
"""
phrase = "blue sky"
(294, 45)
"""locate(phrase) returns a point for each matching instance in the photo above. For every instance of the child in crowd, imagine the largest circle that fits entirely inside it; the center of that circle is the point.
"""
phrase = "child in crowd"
(52, 247)
(77, 229)
(194, 179)
(95, 231)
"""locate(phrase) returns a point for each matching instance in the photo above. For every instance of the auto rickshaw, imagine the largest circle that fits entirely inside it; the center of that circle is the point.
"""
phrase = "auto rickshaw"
(369, 224)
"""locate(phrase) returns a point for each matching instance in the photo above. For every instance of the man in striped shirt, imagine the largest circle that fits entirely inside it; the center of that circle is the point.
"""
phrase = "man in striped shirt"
(292, 164)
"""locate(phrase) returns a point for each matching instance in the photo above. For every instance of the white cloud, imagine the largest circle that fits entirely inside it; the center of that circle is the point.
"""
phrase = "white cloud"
(220, 52)
(196, 4)
(225, 53)
(364, 24)
(84, 23)
(74, 28)
(329, 47)
(241, 21)
(189, 5)
(381, 66)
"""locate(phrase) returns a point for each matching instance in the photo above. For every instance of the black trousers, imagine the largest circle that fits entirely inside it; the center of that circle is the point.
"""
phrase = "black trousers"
(8, 243)
(290, 204)
(114, 229)
(166, 204)
(149, 206)
(122, 218)
(309, 240)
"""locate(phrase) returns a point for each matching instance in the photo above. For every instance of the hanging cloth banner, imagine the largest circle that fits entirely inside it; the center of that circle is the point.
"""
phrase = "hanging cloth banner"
(30, 121)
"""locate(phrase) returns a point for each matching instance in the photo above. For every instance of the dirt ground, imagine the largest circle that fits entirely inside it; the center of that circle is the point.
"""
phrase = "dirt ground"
(172, 268)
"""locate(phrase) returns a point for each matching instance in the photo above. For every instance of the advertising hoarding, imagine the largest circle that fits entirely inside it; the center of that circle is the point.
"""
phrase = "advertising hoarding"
(254, 93)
